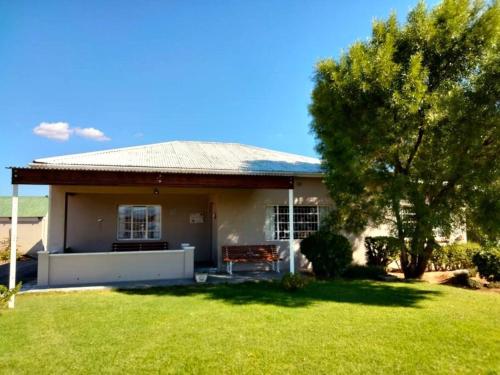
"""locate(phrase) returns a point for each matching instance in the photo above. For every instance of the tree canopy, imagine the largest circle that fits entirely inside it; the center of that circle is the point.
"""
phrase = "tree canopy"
(407, 124)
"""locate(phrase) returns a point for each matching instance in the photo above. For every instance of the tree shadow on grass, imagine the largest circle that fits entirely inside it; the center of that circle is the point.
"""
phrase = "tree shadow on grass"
(271, 293)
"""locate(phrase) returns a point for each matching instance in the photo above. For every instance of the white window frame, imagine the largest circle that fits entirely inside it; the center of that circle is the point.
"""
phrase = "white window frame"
(276, 222)
(132, 223)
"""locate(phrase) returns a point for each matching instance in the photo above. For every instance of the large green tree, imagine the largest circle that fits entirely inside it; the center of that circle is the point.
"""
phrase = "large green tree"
(407, 124)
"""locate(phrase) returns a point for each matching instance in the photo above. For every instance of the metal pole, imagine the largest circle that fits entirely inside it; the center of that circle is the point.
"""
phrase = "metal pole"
(13, 244)
(290, 237)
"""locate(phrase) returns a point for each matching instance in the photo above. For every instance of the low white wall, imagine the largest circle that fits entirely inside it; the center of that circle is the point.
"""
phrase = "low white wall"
(109, 267)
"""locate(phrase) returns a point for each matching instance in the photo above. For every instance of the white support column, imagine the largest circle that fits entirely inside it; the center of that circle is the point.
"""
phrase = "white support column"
(13, 244)
(291, 241)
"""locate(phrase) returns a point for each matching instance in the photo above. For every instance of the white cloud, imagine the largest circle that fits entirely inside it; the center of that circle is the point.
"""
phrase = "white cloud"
(139, 135)
(61, 131)
(53, 130)
(91, 133)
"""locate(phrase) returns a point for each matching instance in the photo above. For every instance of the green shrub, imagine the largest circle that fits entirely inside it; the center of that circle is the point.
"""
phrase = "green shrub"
(293, 281)
(330, 253)
(487, 262)
(474, 284)
(462, 278)
(356, 271)
(493, 284)
(5, 294)
(454, 256)
(382, 250)
(5, 255)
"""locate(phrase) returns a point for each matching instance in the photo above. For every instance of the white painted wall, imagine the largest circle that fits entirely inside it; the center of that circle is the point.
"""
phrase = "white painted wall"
(109, 267)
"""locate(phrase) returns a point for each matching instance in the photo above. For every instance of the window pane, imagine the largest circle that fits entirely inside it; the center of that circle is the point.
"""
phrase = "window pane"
(124, 235)
(153, 222)
(139, 213)
(125, 212)
(153, 235)
(139, 235)
(153, 213)
(139, 222)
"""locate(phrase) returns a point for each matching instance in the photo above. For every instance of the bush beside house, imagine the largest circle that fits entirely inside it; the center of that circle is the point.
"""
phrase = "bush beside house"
(330, 253)
(487, 262)
(454, 256)
(381, 251)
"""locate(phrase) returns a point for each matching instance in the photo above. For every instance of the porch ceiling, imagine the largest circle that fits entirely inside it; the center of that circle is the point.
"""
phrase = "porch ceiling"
(40, 176)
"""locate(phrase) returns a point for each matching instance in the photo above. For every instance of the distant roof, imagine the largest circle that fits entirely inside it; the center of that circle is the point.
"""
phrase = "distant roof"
(28, 206)
(188, 157)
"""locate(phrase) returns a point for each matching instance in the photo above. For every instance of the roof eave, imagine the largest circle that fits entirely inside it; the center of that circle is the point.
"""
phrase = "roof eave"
(169, 170)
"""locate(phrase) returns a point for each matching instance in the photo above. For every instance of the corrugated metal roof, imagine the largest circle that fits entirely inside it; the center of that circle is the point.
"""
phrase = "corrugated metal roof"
(28, 206)
(189, 157)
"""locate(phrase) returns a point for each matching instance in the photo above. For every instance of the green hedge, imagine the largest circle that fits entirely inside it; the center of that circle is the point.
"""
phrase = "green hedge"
(454, 256)
(487, 262)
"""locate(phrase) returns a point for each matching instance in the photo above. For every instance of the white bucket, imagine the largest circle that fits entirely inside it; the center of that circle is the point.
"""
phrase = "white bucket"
(201, 277)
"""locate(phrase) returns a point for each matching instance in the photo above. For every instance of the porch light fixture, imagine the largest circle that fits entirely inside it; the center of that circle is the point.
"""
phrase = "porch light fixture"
(156, 191)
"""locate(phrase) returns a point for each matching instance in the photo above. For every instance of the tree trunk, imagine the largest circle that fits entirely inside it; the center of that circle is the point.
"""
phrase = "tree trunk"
(416, 263)
(415, 269)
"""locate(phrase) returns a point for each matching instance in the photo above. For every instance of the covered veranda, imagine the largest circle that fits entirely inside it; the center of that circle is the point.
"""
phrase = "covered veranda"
(175, 263)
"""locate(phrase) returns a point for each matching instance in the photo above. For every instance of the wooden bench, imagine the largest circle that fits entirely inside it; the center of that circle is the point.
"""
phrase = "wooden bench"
(139, 246)
(251, 254)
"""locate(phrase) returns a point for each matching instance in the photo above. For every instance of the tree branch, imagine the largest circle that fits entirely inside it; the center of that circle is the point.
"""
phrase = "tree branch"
(450, 184)
(415, 148)
(397, 164)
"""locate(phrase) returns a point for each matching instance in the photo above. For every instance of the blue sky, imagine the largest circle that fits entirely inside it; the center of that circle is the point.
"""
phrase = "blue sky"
(123, 73)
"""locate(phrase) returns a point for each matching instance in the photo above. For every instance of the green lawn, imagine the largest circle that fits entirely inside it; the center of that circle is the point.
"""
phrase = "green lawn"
(330, 327)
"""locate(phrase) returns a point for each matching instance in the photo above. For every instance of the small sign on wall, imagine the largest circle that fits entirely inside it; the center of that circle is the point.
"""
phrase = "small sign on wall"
(196, 218)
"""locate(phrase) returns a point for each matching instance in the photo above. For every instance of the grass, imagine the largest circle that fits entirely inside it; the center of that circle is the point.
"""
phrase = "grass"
(329, 327)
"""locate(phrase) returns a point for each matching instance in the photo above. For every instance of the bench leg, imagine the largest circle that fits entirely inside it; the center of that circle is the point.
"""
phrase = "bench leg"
(278, 266)
(229, 267)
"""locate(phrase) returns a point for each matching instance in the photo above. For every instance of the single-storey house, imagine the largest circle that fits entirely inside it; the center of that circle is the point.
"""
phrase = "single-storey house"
(32, 224)
(159, 211)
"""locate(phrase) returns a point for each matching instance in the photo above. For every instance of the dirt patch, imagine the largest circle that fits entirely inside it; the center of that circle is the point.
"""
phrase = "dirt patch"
(442, 277)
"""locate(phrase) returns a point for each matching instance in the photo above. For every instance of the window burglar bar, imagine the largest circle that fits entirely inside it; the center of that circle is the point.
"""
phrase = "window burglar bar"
(306, 221)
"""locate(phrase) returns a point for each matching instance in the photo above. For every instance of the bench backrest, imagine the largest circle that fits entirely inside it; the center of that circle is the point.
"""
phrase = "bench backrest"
(139, 246)
(250, 252)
